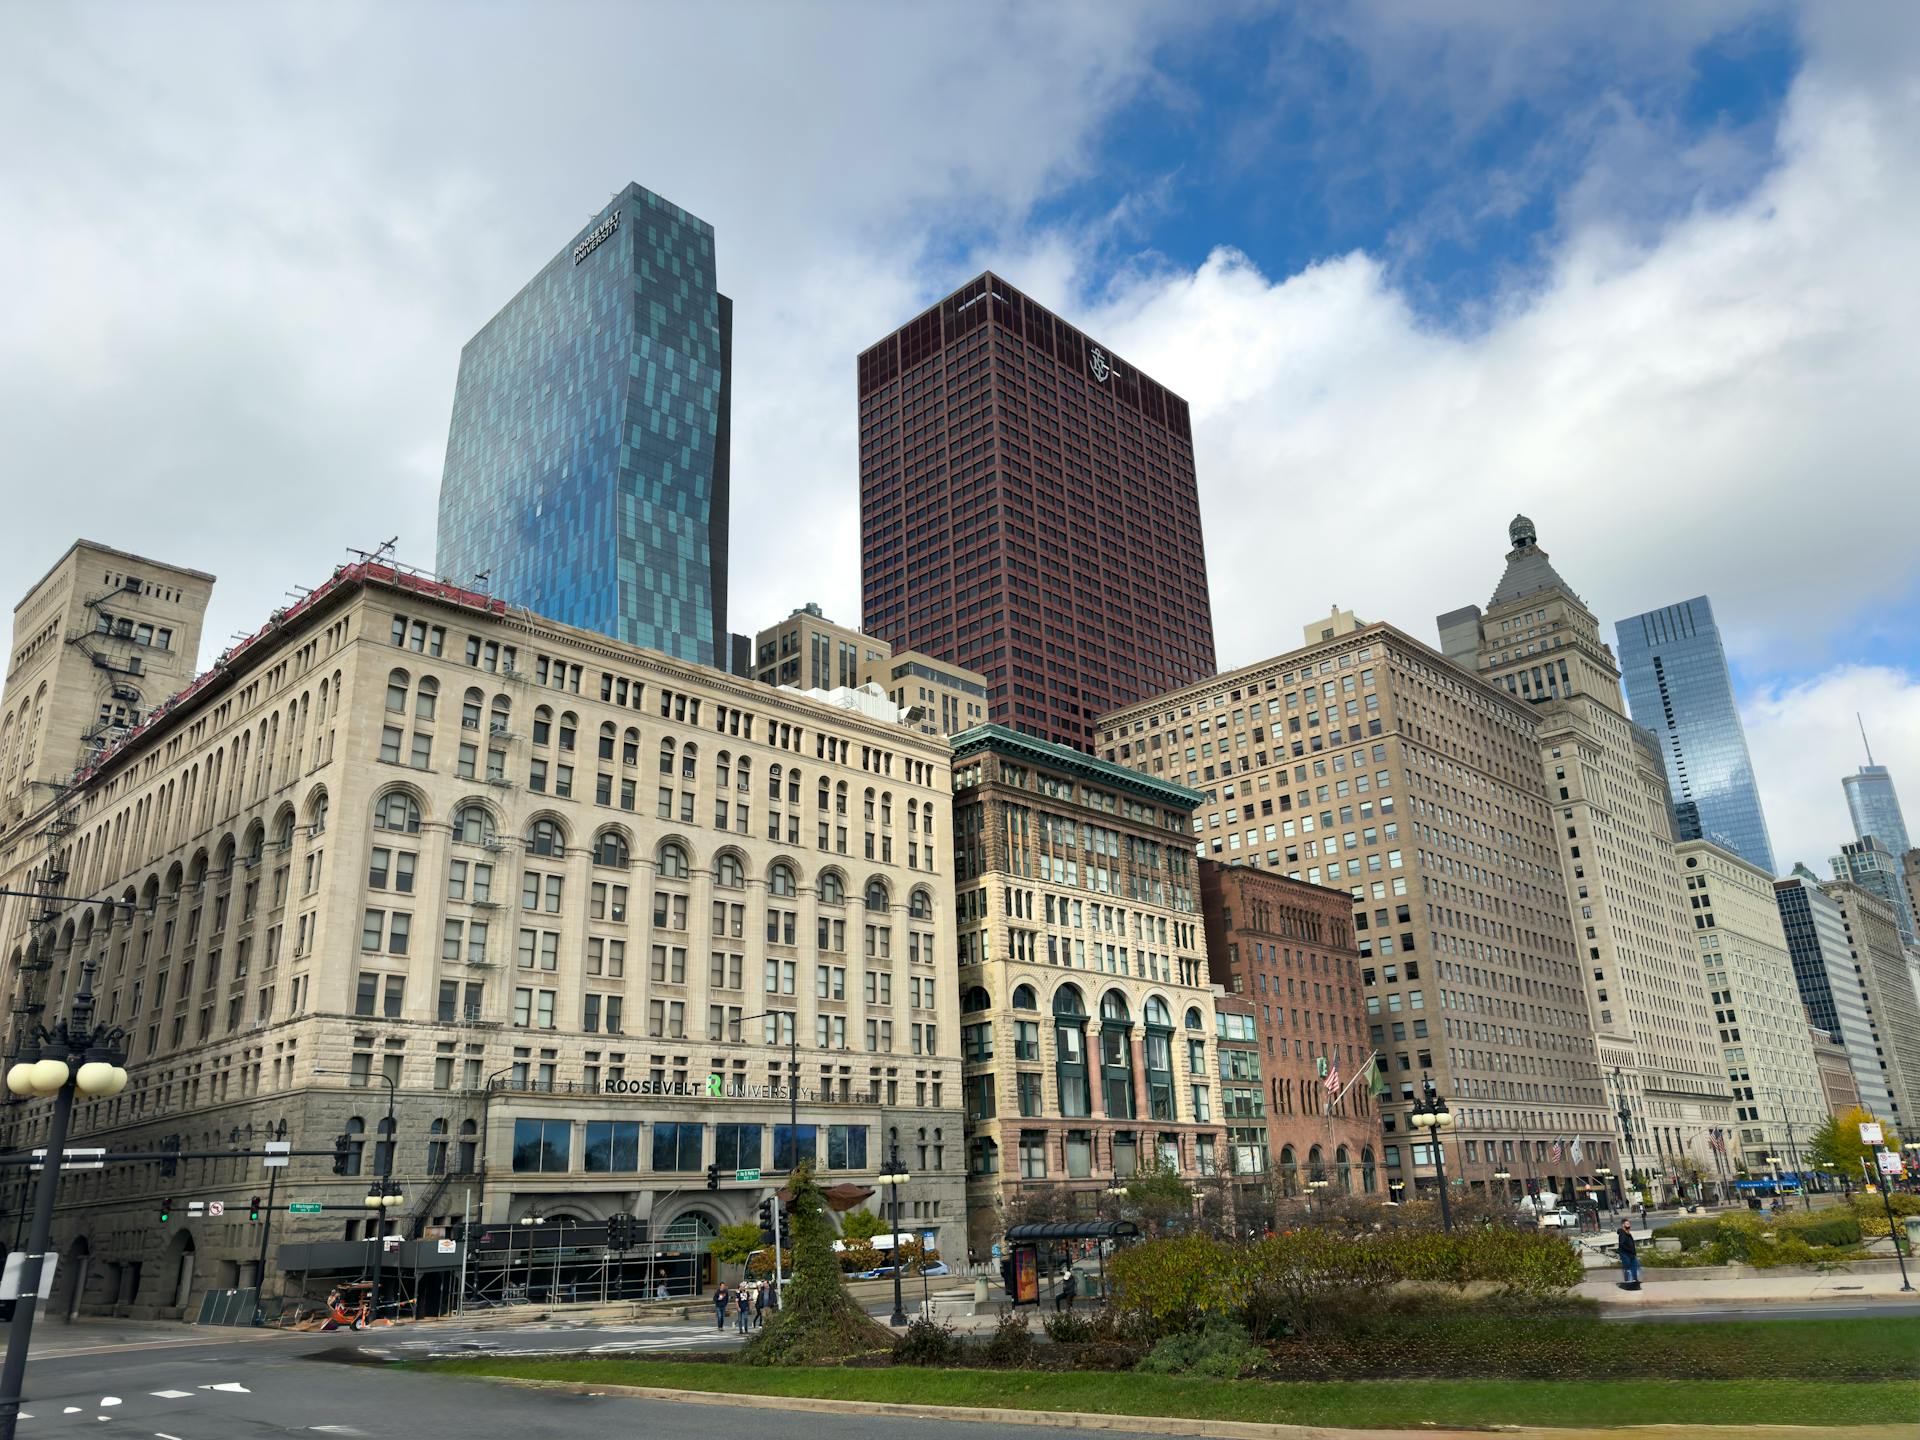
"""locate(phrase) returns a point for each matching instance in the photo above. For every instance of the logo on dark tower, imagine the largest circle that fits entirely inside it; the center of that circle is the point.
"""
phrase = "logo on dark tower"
(1097, 362)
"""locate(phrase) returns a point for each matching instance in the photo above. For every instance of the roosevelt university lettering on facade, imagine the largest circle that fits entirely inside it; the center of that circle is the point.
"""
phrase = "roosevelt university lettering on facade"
(593, 242)
(710, 1089)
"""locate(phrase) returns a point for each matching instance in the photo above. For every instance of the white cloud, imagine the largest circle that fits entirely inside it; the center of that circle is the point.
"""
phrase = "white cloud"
(1803, 740)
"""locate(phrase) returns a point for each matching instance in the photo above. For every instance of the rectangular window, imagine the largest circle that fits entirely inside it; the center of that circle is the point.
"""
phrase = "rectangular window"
(846, 1147)
(737, 1147)
(542, 1146)
(613, 1147)
(677, 1146)
(792, 1144)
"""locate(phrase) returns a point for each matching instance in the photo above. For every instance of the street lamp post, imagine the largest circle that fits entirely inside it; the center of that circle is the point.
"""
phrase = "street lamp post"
(1626, 1128)
(895, 1177)
(75, 1058)
(381, 1196)
(1604, 1174)
(1505, 1177)
(1431, 1115)
(1793, 1146)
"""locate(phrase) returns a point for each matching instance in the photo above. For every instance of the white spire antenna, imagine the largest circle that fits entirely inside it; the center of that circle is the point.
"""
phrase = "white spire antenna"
(1863, 736)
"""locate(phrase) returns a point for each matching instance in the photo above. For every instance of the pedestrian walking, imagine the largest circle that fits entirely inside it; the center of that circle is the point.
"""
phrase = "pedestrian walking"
(744, 1303)
(1629, 1251)
(1069, 1288)
(760, 1304)
(720, 1308)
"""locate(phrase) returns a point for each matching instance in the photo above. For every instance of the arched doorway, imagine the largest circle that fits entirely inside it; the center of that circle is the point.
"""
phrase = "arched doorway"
(181, 1253)
(74, 1287)
(681, 1261)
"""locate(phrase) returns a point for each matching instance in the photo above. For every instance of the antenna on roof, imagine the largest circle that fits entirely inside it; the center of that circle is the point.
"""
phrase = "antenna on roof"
(382, 555)
(1863, 736)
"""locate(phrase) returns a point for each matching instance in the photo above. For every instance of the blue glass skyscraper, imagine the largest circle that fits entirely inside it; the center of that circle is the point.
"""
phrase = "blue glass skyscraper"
(1678, 686)
(1875, 807)
(587, 462)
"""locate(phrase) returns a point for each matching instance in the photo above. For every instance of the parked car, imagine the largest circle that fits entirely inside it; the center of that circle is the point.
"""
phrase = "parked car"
(936, 1268)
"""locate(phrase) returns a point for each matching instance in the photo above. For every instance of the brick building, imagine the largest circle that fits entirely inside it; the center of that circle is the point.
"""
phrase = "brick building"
(1029, 510)
(1286, 947)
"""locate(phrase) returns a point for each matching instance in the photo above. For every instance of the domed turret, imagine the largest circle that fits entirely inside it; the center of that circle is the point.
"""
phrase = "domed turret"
(1521, 533)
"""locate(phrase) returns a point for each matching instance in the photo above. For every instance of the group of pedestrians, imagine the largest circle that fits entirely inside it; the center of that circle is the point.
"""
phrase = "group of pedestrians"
(747, 1302)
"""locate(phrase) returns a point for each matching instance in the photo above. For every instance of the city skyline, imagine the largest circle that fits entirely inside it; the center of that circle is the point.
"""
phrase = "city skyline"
(1301, 321)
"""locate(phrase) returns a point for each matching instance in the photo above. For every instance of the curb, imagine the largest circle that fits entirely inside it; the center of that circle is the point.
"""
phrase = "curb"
(1175, 1425)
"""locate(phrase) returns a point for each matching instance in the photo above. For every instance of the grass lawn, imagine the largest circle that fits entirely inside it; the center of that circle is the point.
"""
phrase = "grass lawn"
(1388, 1403)
(1470, 1342)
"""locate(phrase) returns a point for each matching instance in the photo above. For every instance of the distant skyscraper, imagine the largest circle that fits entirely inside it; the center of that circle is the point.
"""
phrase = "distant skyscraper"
(1835, 994)
(1028, 510)
(587, 462)
(1867, 864)
(1875, 806)
(1675, 671)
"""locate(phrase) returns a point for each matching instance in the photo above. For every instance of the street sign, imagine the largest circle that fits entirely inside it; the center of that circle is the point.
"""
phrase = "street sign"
(71, 1159)
(17, 1262)
(196, 1207)
(746, 1174)
(447, 1247)
(1889, 1162)
(216, 1207)
(277, 1151)
(1870, 1132)
(303, 1207)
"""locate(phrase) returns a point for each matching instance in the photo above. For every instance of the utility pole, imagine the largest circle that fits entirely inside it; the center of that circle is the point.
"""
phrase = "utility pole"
(1793, 1146)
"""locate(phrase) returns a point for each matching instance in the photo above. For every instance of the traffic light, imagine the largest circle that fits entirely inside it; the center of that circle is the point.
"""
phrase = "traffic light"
(166, 1210)
(767, 1223)
(713, 1176)
(253, 1210)
(340, 1152)
(786, 1232)
(620, 1231)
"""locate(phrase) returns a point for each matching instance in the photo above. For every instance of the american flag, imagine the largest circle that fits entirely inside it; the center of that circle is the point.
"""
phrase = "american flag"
(1716, 1142)
(1333, 1076)
(1553, 1151)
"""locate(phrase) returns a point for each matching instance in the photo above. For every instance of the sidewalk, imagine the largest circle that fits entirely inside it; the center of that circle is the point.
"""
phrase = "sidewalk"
(1747, 1291)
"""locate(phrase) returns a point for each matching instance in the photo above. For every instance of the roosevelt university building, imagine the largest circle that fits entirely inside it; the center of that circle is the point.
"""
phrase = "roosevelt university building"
(597, 918)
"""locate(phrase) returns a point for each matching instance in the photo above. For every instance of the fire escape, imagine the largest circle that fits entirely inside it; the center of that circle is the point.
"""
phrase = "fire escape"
(120, 674)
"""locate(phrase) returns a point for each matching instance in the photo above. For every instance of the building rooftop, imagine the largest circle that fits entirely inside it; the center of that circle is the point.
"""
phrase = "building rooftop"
(1528, 570)
(1005, 741)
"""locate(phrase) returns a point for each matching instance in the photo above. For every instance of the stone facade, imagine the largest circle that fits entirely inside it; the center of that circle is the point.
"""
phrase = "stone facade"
(1892, 999)
(1287, 949)
(101, 638)
(1367, 762)
(545, 882)
(1612, 822)
(807, 651)
(1086, 1009)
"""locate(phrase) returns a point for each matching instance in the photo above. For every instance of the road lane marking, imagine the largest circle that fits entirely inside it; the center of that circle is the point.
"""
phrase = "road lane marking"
(170, 1394)
(231, 1387)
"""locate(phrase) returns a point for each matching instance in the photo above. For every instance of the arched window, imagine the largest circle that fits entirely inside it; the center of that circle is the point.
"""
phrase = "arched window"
(1369, 1178)
(728, 872)
(1067, 1001)
(886, 809)
(1194, 1021)
(689, 761)
(397, 682)
(833, 890)
(1343, 1169)
(427, 699)
(773, 783)
(666, 757)
(1024, 999)
(722, 770)
(468, 1155)
(1113, 1007)
(545, 837)
(1116, 1058)
(1157, 1012)
(877, 897)
(542, 725)
(780, 879)
(606, 740)
(397, 810)
(569, 724)
(976, 998)
(1289, 1171)
(920, 905)
(672, 860)
(317, 815)
(473, 825)
(356, 1143)
(256, 845)
(825, 791)
(437, 1147)
(610, 848)
(284, 836)
(840, 798)
(500, 716)
(471, 704)
(869, 805)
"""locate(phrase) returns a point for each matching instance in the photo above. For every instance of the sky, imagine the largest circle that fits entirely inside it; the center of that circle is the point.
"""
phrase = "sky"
(1640, 271)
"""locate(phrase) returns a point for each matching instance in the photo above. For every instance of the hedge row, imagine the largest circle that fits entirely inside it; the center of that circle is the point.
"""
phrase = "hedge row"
(1292, 1283)
(1741, 1234)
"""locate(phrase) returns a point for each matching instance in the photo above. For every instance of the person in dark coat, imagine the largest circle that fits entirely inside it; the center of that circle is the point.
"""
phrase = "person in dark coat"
(720, 1308)
(744, 1299)
(1629, 1255)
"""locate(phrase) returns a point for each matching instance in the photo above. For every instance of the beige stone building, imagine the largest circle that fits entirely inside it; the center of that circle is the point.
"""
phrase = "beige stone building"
(609, 922)
(100, 639)
(1607, 784)
(1839, 1090)
(1366, 762)
(1087, 1014)
(807, 651)
(1892, 997)
(1758, 1015)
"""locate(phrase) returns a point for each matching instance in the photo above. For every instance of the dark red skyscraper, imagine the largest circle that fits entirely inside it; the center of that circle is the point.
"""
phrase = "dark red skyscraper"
(1028, 509)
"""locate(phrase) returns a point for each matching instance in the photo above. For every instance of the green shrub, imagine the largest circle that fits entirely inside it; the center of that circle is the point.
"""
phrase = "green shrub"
(1173, 1284)
(1219, 1350)
(1294, 1282)
(926, 1342)
(1823, 1227)
(1691, 1233)
(1066, 1328)
(1011, 1343)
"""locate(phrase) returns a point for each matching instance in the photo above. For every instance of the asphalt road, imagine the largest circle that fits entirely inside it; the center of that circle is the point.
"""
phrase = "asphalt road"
(258, 1389)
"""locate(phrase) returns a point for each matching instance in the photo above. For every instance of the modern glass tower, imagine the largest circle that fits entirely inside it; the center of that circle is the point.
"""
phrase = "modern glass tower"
(1678, 686)
(587, 463)
(1875, 806)
(1833, 992)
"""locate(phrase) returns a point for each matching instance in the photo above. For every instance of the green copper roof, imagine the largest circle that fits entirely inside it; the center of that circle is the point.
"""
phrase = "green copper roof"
(1011, 743)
